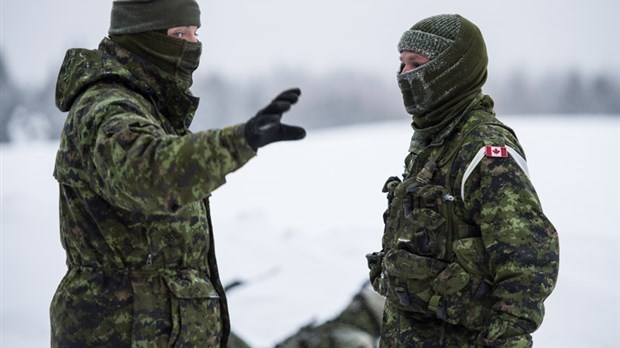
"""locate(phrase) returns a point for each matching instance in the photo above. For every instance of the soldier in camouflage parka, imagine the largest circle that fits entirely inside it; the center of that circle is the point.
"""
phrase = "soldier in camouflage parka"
(468, 257)
(134, 184)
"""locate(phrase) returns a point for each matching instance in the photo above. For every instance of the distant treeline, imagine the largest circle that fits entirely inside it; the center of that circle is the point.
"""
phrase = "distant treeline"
(336, 99)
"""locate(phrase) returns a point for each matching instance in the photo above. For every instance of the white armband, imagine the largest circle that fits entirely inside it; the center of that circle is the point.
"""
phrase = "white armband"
(492, 151)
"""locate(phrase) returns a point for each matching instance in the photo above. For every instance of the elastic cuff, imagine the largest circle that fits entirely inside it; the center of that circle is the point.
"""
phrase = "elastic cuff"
(244, 146)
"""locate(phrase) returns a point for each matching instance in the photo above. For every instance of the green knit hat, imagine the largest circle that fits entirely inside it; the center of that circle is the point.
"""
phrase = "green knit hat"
(431, 36)
(136, 16)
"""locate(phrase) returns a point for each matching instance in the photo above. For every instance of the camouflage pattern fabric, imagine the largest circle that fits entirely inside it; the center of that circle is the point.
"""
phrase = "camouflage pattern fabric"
(464, 273)
(134, 213)
(357, 326)
(409, 332)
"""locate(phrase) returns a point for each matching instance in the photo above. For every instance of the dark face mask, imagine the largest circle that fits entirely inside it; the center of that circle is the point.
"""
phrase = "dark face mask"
(177, 57)
(416, 93)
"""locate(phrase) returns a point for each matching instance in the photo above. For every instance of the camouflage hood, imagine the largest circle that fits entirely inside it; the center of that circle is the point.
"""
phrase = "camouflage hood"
(83, 68)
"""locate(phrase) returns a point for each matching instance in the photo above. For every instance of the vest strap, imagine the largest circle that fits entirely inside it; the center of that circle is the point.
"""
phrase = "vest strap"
(436, 305)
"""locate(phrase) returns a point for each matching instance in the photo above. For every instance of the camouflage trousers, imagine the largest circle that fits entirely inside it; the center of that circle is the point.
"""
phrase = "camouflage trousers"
(402, 330)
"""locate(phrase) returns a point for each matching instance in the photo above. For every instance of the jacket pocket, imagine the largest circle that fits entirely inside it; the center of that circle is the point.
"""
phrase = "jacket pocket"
(195, 308)
(409, 280)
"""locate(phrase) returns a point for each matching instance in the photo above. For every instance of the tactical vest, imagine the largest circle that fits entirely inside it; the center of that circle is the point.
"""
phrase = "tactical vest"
(434, 264)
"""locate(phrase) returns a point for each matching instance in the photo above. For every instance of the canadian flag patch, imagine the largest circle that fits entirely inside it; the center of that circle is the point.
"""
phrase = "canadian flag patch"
(496, 151)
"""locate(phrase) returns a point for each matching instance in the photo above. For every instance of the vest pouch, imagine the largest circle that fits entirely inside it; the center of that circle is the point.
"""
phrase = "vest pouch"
(409, 281)
(462, 301)
(424, 227)
(195, 307)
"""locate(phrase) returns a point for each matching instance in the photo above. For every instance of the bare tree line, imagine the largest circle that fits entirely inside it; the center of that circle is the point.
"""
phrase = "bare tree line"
(336, 99)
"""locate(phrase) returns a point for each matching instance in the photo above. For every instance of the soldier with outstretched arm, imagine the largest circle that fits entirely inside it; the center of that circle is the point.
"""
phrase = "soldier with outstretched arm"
(134, 184)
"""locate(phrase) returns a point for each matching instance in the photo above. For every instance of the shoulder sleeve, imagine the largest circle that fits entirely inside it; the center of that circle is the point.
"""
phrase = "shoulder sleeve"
(142, 168)
(521, 243)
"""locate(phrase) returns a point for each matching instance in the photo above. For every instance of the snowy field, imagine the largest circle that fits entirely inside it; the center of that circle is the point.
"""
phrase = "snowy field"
(296, 222)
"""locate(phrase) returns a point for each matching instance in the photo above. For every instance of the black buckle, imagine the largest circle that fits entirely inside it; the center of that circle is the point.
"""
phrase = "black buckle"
(442, 311)
(402, 294)
(483, 289)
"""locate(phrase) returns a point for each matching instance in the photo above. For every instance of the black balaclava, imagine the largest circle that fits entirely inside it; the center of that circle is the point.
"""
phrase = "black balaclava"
(139, 26)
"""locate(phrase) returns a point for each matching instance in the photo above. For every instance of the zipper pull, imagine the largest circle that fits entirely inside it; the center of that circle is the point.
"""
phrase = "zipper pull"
(149, 260)
(448, 197)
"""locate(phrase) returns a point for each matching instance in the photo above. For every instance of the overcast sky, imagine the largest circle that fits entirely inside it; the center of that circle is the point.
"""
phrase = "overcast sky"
(255, 37)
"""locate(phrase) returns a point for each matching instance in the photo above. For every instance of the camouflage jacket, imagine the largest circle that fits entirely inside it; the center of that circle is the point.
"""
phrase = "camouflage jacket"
(466, 241)
(134, 213)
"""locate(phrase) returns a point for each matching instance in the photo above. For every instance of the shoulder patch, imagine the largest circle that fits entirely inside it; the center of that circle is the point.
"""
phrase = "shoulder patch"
(496, 151)
(492, 151)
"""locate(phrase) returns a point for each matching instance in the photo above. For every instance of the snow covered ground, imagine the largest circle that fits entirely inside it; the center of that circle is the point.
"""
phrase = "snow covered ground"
(297, 220)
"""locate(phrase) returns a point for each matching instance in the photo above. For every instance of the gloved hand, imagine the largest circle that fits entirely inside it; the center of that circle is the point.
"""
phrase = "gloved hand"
(265, 127)
(374, 265)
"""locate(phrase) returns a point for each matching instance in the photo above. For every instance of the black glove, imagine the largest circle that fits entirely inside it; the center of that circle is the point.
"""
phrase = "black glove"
(265, 127)
(375, 266)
